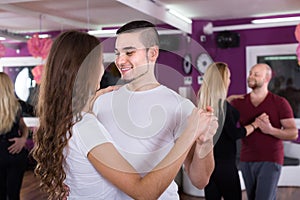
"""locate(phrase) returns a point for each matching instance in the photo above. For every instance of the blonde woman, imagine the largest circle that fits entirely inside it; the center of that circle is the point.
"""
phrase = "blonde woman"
(224, 181)
(13, 135)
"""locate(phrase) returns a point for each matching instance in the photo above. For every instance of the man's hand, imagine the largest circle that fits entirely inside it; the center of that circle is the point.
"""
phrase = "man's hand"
(203, 123)
(263, 118)
(17, 146)
(209, 125)
(235, 96)
(264, 124)
(199, 163)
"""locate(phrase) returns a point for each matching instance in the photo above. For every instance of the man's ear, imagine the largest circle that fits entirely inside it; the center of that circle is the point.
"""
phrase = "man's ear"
(268, 78)
(153, 53)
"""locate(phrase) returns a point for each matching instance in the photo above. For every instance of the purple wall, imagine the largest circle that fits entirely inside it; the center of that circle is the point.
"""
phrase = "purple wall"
(236, 57)
(11, 50)
(22, 46)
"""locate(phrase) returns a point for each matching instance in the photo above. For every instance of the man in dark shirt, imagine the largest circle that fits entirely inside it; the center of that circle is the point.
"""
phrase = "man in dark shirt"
(262, 151)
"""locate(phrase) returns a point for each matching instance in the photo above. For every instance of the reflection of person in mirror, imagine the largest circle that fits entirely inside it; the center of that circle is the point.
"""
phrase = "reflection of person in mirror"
(262, 152)
(292, 94)
(27, 109)
(13, 136)
(72, 147)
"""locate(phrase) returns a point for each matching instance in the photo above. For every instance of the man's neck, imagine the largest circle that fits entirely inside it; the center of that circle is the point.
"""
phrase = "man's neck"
(262, 91)
(258, 95)
(143, 84)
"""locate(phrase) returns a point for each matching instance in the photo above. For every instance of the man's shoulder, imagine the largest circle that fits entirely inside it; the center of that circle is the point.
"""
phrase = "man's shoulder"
(276, 96)
(103, 99)
(180, 99)
(278, 99)
(106, 95)
(170, 91)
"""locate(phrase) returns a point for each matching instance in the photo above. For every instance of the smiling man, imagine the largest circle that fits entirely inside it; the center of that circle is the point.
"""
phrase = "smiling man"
(262, 151)
(144, 117)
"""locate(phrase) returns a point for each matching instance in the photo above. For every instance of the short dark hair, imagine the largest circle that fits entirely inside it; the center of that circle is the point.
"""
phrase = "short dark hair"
(149, 35)
(133, 25)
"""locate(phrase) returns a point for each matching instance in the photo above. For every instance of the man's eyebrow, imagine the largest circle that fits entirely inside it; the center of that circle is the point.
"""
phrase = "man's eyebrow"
(126, 48)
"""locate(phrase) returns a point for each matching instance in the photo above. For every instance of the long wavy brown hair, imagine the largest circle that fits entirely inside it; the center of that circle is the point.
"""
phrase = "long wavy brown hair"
(69, 80)
(9, 104)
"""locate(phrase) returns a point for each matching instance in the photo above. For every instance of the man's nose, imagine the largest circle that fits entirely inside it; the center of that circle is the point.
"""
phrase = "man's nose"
(121, 59)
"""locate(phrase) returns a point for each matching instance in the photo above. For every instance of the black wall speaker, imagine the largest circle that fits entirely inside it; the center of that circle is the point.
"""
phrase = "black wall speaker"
(169, 42)
(228, 39)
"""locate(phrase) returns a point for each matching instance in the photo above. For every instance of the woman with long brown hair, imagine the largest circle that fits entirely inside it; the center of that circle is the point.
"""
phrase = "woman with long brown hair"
(13, 136)
(72, 146)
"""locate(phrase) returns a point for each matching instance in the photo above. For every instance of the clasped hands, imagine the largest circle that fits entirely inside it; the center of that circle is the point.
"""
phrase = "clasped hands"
(205, 125)
(263, 123)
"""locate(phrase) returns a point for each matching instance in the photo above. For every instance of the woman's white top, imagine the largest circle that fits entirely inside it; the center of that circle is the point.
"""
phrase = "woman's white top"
(84, 181)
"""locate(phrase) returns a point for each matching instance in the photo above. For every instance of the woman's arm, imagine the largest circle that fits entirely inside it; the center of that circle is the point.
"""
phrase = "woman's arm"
(155, 182)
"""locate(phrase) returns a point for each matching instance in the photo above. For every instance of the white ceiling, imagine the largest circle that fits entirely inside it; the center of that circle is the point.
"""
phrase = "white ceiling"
(44, 15)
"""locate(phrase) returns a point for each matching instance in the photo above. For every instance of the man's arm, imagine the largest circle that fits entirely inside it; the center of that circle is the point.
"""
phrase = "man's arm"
(288, 131)
(199, 164)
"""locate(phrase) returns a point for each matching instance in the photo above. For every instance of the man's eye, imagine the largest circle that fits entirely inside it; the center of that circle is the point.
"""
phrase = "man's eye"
(117, 53)
(129, 53)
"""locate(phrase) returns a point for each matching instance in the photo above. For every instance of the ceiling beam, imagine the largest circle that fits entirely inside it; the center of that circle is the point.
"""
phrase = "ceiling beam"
(61, 20)
(16, 1)
(14, 36)
(210, 29)
(158, 11)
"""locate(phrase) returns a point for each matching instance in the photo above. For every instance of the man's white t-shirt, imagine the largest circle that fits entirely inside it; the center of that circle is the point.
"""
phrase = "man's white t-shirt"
(84, 181)
(144, 126)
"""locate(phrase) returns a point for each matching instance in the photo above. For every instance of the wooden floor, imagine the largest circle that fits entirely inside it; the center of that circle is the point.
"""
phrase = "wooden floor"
(30, 188)
(283, 193)
(30, 191)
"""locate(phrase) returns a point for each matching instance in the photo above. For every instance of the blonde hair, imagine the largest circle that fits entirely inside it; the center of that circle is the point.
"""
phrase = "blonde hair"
(213, 91)
(9, 104)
